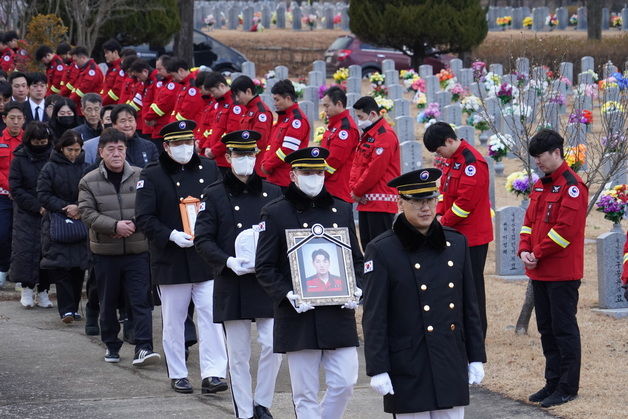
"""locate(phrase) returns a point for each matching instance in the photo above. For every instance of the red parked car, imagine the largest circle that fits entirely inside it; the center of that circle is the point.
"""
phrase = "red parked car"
(348, 50)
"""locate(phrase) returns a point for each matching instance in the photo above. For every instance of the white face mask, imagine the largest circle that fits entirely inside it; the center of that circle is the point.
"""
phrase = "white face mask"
(364, 123)
(243, 166)
(182, 154)
(311, 185)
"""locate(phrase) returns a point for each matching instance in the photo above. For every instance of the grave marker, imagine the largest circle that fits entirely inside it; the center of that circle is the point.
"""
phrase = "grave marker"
(609, 265)
(411, 155)
(508, 222)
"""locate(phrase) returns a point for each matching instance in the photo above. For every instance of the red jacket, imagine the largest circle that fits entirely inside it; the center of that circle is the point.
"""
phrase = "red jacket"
(376, 163)
(464, 201)
(291, 132)
(226, 118)
(8, 144)
(141, 100)
(89, 80)
(341, 139)
(71, 73)
(112, 86)
(190, 101)
(203, 123)
(164, 99)
(258, 117)
(54, 73)
(553, 228)
(7, 60)
(624, 273)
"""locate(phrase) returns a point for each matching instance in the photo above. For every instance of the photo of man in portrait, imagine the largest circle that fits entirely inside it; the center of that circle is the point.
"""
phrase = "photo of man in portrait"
(323, 281)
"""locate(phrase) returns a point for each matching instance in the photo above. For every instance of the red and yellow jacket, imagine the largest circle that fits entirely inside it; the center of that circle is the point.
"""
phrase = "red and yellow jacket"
(258, 117)
(164, 99)
(341, 139)
(54, 73)
(8, 144)
(112, 86)
(190, 102)
(88, 80)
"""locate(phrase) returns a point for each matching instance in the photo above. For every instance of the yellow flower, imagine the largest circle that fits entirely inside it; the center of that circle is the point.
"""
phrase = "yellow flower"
(611, 106)
(318, 135)
(341, 74)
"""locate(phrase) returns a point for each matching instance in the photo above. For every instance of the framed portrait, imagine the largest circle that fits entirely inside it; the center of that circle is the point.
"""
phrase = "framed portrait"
(189, 208)
(321, 265)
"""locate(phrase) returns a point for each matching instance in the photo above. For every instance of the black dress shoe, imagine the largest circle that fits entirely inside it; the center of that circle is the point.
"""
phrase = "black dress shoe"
(213, 385)
(540, 395)
(557, 398)
(181, 385)
(262, 412)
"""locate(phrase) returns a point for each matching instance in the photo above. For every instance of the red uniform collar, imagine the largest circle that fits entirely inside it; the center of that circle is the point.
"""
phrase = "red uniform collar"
(289, 110)
(375, 126)
(8, 137)
(253, 102)
(337, 118)
(556, 174)
(115, 64)
(226, 98)
(463, 146)
(188, 79)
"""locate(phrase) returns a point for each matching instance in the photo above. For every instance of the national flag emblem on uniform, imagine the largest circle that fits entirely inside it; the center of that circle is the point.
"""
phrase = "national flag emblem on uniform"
(368, 266)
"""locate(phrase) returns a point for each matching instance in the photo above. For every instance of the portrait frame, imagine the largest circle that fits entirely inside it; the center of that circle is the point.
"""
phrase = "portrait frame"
(328, 243)
(189, 209)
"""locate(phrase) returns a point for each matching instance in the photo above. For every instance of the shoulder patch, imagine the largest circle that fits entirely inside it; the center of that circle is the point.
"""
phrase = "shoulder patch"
(570, 178)
(345, 123)
(7, 58)
(121, 73)
(260, 107)
(297, 114)
(91, 72)
(59, 67)
(379, 151)
(573, 191)
(262, 117)
(192, 91)
(296, 124)
(470, 170)
(368, 266)
(237, 110)
(160, 83)
(381, 130)
(170, 86)
(140, 184)
(343, 134)
(469, 158)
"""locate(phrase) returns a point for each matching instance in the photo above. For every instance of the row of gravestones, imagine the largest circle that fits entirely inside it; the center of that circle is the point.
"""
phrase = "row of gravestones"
(227, 14)
(539, 17)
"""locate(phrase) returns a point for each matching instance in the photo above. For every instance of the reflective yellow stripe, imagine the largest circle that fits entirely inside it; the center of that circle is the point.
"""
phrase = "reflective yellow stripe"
(179, 117)
(69, 86)
(54, 89)
(156, 109)
(625, 257)
(78, 92)
(526, 230)
(112, 95)
(459, 211)
(441, 198)
(331, 169)
(280, 154)
(558, 239)
(62, 83)
(206, 133)
(133, 105)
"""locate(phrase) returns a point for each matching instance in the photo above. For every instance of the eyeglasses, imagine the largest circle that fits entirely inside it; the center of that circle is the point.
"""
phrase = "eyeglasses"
(420, 203)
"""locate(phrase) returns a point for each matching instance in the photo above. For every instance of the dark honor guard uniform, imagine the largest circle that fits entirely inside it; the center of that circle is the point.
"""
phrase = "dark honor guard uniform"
(312, 337)
(423, 336)
(230, 207)
(176, 267)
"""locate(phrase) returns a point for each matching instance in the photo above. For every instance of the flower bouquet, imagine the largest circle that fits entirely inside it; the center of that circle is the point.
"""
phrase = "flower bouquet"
(479, 69)
(457, 91)
(385, 105)
(309, 20)
(478, 122)
(337, 19)
(551, 21)
(260, 84)
(209, 21)
(612, 142)
(420, 100)
(411, 80)
(504, 21)
(613, 202)
(611, 106)
(471, 104)
(581, 117)
(431, 112)
(299, 88)
(527, 22)
(491, 82)
(318, 135)
(616, 21)
(342, 74)
(377, 84)
(497, 150)
(573, 20)
(520, 183)
(444, 78)
(505, 93)
(575, 156)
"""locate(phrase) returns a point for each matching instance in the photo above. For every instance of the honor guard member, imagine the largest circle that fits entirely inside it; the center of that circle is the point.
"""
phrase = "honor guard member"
(89, 78)
(552, 251)
(464, 201)
(110, 94)
(257, 115)
(341, 138)
(291, 132)
(376, 163)
(312, 337)
(423, 337)
(176, 267)
(55, 68)
(229, 207)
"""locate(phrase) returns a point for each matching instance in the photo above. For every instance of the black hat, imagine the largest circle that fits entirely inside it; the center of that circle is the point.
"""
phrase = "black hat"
(179, 130)
(312, 158)
(418, 184)
(245, 140)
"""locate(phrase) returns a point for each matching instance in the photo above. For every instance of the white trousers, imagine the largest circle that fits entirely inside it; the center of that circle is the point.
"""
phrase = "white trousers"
(238, 334)
(456, 412)
(175, 300)
(341, 374)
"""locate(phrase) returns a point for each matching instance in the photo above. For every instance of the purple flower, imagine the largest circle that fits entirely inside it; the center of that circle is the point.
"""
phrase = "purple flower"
(559, 99)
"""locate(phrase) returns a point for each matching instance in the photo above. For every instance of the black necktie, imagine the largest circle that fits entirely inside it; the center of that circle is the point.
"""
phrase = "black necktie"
(37, 113)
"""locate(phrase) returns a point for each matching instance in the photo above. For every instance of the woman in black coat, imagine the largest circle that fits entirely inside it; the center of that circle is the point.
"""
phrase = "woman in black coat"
(28, 160)
(57, 190)
(64, 117)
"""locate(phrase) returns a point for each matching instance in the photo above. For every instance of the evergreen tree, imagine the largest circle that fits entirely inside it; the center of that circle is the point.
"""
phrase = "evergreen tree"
(416, 26)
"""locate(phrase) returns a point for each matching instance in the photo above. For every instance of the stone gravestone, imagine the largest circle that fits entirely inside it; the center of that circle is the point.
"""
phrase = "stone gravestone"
(232, 18)
(611, 94)
(247, 19)
(344, 15)
(395, 91)
(431, 87)
(411, 152)
(467, 132)
(351, 99)
(493, 110)
(551, 114)
(608, 69)
(609, 267)
(452, 114)
(329, 17)
(355, 71)
(248, 69)
(538, 16)
(316, 78)
(523, 65)
(465, 77)
(404, 127)
(388, 65)
(576, 134)
(491, 181)
(496, 69)
(281, 72)
(455, 64)
(281, 16)
(566, 70)
(426, 70)
(269, 84)
(477, 90)
(585, 78)
(624, 19)
(401, 108)
(354, 85)
(310, 94)
(605, 19)
(320, 66)
(391, 77)
(443, 98)
(296, 18)
(310, 111)
(491, 18)
(517, 18)
(266, 17)
(587, 63)
(582, 19)
(268, 100)
(562, 14)
(508, 222)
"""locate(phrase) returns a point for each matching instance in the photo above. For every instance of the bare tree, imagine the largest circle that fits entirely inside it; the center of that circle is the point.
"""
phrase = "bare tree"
(183, 42)
(594, 19)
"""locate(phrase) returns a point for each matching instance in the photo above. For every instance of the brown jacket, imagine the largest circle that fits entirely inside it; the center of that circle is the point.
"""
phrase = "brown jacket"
(101, 208)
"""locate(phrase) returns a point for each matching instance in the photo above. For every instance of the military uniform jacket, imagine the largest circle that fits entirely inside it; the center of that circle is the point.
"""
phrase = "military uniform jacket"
(421, 319)
(230, 207)
(325, 327)
(161, 186)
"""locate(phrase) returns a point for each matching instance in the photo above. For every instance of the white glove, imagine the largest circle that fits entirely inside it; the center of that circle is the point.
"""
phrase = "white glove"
(181, 239)
(381, 384)
(237, 266)
(353, 304)
(476, 372)
(301, 308)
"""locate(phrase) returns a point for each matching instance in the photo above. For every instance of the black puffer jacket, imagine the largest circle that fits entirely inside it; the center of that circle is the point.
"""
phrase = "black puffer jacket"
(26, 248)
(57, 186)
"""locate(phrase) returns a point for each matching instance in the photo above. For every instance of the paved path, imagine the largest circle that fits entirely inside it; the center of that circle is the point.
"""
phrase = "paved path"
(48, 369)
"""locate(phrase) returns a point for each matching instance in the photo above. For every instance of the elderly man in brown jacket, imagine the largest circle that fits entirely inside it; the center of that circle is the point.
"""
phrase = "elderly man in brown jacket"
(107, 205)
